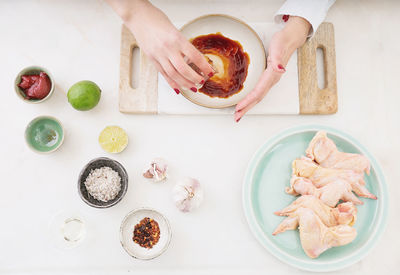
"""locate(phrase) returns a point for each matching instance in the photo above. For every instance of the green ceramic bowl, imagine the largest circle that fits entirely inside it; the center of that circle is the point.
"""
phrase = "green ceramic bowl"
(269, 173)
(29, 71)
(44, 134)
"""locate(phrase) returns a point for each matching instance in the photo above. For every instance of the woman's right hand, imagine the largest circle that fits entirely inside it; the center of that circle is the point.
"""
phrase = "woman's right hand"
(164, 44)
(282, 46)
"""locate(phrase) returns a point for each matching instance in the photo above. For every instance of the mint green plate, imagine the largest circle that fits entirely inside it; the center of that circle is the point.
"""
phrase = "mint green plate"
(267, 176)
(44, 134)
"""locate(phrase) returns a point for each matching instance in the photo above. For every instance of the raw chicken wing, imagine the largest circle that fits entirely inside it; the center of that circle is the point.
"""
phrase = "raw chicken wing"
(324, 151)
(330, 194)
(344, 213)
(322, 176)
(316, 237)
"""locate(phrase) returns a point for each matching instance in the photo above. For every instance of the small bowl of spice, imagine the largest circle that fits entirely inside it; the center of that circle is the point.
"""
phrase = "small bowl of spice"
(145, 233)
(34, 84)
(102, 183)
(44, 134)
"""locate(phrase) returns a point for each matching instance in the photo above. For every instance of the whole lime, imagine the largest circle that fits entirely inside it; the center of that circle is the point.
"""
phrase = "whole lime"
(84, 95)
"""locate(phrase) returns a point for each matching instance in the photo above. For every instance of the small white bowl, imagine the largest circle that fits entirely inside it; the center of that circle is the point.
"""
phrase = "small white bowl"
(29, 71)
(127, 228)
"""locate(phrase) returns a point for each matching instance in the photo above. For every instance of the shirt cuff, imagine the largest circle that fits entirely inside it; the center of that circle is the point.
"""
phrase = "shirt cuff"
(314, 11)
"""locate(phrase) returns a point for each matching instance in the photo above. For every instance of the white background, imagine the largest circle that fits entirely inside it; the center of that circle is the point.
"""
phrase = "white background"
(79, 40)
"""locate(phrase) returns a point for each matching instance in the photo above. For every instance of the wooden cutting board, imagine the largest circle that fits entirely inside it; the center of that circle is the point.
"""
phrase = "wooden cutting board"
(312, 99)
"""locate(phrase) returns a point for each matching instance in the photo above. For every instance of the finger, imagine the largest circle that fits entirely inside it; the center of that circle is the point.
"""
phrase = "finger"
(239, 114)
(176, 76)
(255, 96)
(247, 103)
(250, 98)
(185, 70)
(198, 59)
(255, 93)
(170, 81)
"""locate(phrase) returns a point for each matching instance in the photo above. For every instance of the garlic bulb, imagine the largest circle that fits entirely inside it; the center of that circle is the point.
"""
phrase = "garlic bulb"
(157, 171)
(188, 194)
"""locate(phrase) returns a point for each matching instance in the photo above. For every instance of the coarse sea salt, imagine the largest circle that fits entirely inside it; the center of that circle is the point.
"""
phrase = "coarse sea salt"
(103, 183)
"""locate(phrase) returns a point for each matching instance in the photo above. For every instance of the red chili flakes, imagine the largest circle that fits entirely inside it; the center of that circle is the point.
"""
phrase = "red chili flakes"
(285, 17)
(146, 233)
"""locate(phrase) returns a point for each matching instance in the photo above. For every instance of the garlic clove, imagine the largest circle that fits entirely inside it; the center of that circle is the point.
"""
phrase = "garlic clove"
(157, 171)
(188, 194)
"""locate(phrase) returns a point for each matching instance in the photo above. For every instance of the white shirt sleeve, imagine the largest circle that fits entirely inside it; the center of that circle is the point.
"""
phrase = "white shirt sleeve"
(314, 11)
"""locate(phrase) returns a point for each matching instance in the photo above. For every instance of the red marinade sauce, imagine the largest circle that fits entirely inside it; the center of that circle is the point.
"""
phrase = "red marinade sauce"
(35, 86)
(235, 61)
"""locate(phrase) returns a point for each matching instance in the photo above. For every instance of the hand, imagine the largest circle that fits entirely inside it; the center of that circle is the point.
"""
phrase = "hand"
(281, 48)
(164, 44)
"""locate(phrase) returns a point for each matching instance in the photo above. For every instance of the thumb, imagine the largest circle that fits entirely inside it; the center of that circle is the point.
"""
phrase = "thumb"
(277, 54)
(275, 63)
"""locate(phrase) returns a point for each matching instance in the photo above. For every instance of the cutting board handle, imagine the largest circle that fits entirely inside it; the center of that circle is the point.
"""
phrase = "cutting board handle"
(314, 100)
(144, 98)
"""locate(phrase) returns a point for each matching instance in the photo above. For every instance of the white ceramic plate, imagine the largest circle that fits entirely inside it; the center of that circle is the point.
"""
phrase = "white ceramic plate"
(237, 30)
(126, 234)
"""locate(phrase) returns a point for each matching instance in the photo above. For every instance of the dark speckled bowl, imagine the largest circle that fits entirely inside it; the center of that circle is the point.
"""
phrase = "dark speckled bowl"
(98, 163)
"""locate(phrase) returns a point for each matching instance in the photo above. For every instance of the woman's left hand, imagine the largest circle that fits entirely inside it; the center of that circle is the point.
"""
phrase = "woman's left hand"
(282, 46)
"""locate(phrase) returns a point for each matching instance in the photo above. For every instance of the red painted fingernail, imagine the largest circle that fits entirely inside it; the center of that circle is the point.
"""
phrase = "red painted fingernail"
(211, 74)
(281, 67)
(202, 82)
(238, 119)
(177, 91)
(193, 89)
(285, 18)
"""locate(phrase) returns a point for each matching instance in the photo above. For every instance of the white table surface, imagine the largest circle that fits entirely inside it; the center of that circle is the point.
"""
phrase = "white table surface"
(79, 40)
